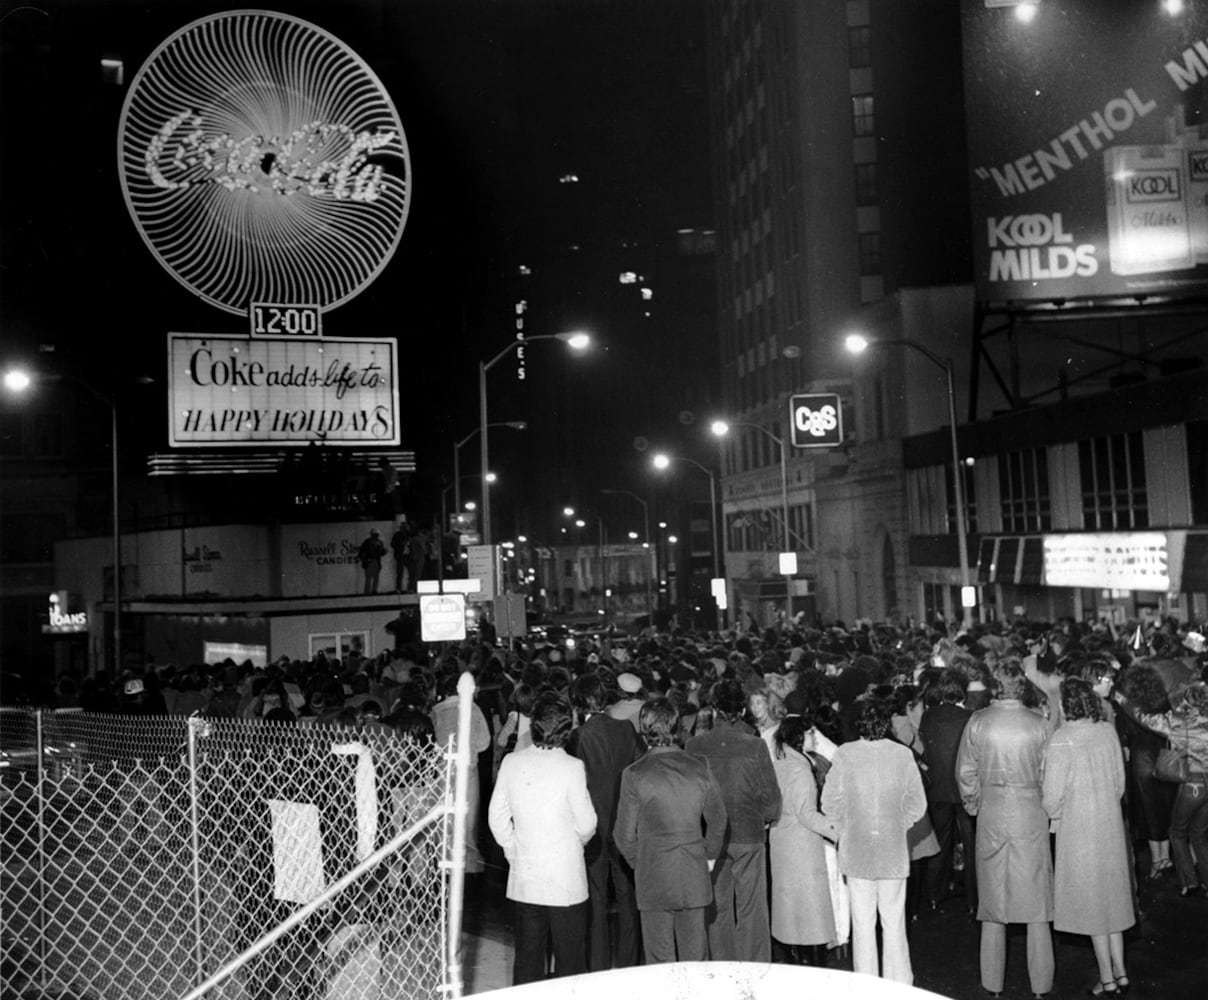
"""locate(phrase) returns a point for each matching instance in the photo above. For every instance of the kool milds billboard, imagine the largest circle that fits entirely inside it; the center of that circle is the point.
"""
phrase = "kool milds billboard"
(231, 390)
(1088, 147)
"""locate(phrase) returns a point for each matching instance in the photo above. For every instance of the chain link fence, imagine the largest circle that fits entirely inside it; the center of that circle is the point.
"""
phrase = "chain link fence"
(147, 858)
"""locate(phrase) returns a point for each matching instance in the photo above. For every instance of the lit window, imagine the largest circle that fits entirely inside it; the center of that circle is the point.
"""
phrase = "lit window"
(647, 294)
(569, 179)
(863, 121)
(628, 278)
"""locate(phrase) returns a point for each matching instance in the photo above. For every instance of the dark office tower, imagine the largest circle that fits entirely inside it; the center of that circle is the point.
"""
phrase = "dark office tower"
(839, 181)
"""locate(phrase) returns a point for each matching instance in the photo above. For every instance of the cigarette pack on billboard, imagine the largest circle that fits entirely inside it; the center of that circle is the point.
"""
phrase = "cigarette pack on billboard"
(1195, 146)
(1147, 219)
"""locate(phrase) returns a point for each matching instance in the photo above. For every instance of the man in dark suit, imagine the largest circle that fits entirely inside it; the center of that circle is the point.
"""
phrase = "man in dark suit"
(739, 928)
(664, 798)
(940, 733)
(606, 746)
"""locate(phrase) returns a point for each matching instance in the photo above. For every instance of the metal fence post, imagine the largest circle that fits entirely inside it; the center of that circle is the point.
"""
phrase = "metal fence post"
(197, 727)
(39, 779)
(461, 783)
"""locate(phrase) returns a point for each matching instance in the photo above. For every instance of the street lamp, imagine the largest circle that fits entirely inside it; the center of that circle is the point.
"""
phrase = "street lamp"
(720, 429)
(661, 462)
(516, 425)
(17, 380)
(856, 344)
(575, 341)
(650, 570)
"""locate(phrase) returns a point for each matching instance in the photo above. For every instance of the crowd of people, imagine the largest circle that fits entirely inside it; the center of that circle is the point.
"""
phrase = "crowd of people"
(774, 795)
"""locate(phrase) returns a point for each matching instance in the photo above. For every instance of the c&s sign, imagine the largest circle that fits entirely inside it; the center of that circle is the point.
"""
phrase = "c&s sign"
(816, 420)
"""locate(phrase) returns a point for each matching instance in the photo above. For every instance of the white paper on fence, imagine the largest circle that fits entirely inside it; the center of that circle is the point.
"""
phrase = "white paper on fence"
(366, 795)
(297, 851)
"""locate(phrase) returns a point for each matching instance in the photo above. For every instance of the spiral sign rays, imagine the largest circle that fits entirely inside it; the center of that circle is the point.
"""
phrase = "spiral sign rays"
(263, 161)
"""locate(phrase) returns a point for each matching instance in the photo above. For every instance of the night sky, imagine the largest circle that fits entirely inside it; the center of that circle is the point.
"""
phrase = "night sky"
(498, 100)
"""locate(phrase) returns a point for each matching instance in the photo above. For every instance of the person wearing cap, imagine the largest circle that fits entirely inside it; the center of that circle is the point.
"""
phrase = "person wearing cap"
(740, 929)
(634, 697)
(606, 746)
(369, 555)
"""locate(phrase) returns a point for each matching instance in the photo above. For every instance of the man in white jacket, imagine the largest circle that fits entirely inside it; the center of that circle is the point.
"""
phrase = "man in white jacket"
(541, 815)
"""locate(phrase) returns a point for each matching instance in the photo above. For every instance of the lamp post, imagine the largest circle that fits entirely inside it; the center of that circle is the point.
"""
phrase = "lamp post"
(856, 344)
(651, 569)
(576, 341)
(660, 462)
(516, 425)
(720, 429)
(17, 381)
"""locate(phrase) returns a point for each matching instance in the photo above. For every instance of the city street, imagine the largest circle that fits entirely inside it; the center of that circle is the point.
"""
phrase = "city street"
(1164, 952)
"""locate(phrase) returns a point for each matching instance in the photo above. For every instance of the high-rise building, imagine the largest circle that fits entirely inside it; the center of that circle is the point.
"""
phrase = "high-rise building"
(835, 159)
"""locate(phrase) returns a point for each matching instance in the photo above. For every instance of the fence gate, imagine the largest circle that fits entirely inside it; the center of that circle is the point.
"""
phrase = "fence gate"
(153, 858)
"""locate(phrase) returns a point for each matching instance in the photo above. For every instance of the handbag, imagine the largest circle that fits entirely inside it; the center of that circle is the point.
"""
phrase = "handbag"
(1173, 763)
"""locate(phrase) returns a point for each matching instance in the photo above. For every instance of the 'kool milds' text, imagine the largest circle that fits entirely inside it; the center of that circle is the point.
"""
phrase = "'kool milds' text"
(1034, 247)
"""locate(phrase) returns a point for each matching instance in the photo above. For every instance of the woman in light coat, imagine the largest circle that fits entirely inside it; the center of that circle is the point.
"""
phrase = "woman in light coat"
(874, 794)
(801, 908)
(1083, 785)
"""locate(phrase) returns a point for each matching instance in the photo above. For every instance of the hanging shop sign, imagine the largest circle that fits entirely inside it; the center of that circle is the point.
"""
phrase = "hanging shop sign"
(1124, 560)
(244, 391)
(1087, 129)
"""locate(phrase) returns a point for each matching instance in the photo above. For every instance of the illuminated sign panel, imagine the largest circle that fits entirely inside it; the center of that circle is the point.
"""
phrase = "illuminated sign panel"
(241, 391)
(61, 621)
(1088, 148)
(816, 420)
(1121, 560)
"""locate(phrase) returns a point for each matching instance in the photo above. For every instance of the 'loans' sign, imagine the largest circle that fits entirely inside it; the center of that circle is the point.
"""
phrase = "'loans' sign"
(242, 391)
(816, 420)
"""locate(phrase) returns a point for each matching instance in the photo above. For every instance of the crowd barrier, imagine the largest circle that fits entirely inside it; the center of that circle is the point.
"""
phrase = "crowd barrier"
(154, 857)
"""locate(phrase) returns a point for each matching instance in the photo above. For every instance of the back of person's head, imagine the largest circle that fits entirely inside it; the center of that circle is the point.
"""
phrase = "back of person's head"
(657, 721)
(791, 733)
(446, 687)
(727, 698)
(587, 693)
(415, 725)
(1079, 701)
(523, 698)
(551, 721)
(1140, 684)
(1192, 698)
(874, 718)
(951, 687)
(1010, 682)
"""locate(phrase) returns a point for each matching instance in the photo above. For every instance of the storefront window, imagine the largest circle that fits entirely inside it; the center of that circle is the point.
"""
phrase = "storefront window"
(338, 645)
